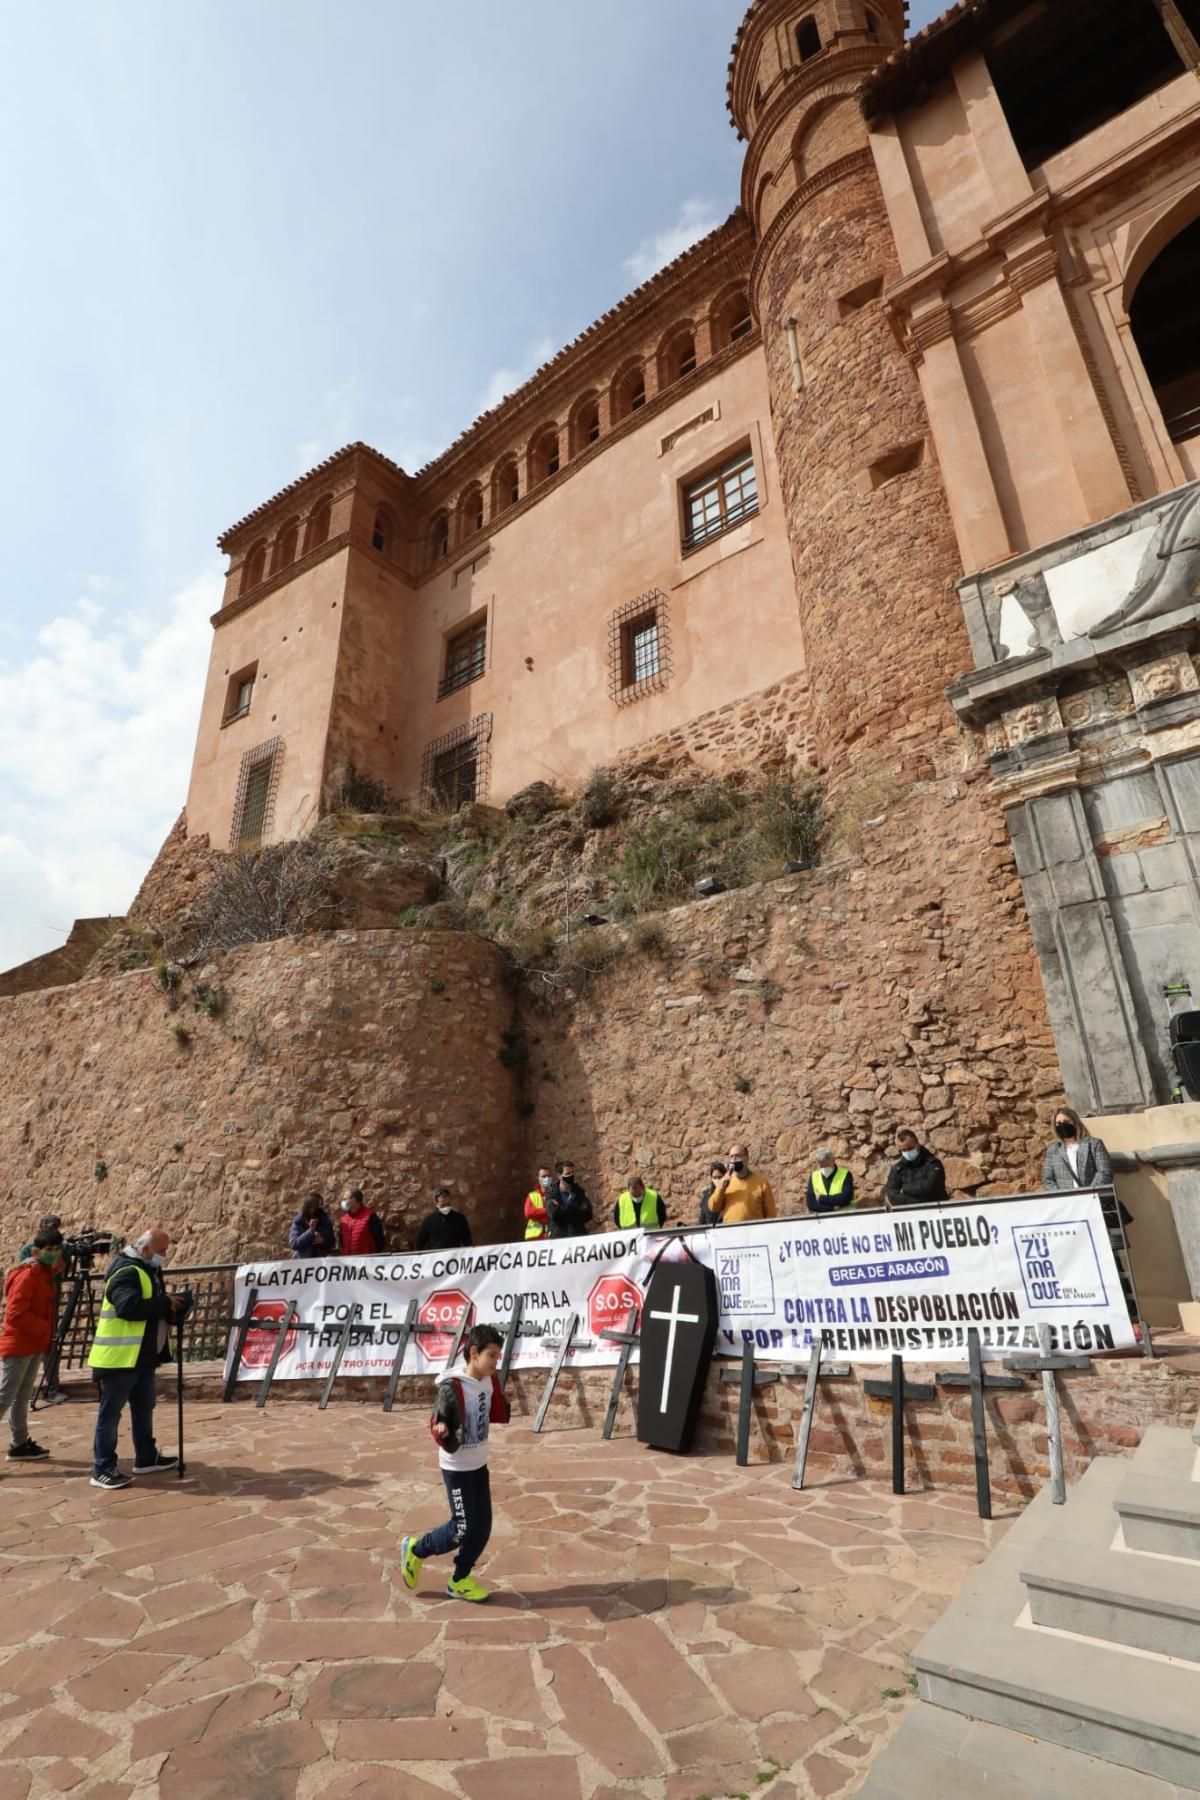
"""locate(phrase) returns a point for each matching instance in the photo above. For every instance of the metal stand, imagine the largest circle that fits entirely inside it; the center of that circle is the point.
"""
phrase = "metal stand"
(351, 1320)
(976, 1380)
(897, 1390)
(552, 1379)
(48, 1390)
(1047, 1365)
(627, 1340)
(179, 1393)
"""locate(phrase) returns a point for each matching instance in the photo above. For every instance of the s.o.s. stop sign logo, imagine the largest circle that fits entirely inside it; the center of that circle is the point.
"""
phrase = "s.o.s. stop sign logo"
(614, 1304)
(441, 1316)
(260, 1345)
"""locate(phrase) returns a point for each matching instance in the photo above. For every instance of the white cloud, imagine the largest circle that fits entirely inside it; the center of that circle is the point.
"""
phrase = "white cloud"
(502, 382)
(696, 219)
(97, 728)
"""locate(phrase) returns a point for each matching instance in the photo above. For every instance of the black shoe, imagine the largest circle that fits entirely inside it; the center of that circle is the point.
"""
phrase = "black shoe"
(26, 1452)
(159, 1466)
(112, 1478)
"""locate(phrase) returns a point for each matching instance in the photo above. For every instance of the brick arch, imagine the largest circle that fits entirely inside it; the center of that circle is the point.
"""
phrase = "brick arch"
(384, 532)
(728, 313)
(543, 458)
(676, 354)
(439, 535)
(831, 130)
(468, 514)
(254, 568)
(1156, 233)
(506, 484)
(583, 424)
(627, 391)
(287, 539)
(317, 526)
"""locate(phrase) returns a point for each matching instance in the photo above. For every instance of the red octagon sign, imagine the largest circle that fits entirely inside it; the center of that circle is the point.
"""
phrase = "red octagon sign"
(614, 1304)
(444, 1310)
(259, 1345)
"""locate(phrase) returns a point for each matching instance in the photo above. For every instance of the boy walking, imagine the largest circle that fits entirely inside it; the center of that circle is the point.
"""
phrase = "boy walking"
(463, 1408)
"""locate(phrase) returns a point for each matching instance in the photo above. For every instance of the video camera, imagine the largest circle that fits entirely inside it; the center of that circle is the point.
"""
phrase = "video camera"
(185, 1300)
(81, 1251)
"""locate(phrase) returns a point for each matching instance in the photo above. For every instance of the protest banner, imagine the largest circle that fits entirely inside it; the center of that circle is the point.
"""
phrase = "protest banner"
(870, 1285)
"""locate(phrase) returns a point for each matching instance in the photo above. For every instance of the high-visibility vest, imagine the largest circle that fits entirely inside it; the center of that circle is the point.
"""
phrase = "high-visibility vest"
(534, 1228)
(627, 1217)
(118, 1341)
(829, 1190)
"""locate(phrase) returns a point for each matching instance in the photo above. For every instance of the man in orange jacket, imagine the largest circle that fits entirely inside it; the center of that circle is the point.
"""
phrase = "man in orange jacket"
(30, 1302)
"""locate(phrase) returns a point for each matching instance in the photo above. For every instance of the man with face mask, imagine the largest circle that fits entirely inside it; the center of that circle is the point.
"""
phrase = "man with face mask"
(742, 1193)
(537, 1218)
(443, 1228)
(917, 1177)
(30, 1302)
(569, 1207)
(131, 1341)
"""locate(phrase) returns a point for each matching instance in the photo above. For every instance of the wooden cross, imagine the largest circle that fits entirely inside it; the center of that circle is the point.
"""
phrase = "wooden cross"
(564, 1344)
(897, 1390)
(627, 1339)
(348, 1326)
(751, 1376)
(976, 1380)
(815, 1374)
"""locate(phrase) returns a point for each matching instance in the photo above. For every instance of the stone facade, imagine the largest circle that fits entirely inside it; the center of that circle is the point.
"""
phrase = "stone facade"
(370, 1059)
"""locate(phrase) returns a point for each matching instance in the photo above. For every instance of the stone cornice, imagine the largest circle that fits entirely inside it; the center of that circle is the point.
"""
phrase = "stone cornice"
(845, 166)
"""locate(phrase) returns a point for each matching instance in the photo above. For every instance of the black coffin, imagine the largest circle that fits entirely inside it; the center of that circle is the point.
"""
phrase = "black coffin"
(679, 1328)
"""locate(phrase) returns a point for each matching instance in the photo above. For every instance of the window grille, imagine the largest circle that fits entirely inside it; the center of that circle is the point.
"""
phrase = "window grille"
(720, 501)
(466, 658)
(254, 802)
(639, 648)
(455, 768)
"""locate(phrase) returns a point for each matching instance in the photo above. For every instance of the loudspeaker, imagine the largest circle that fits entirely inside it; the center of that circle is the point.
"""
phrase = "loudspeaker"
(1185, 1028)
(1187, 1064)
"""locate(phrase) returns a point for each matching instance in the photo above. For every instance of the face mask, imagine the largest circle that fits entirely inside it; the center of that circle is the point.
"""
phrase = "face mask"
(568, 1180)
(48, 1258)
(155, 1261)
(1065, 1129)
(910, 1155)
(545, 1184)
(737, 1165)
(443, 1206)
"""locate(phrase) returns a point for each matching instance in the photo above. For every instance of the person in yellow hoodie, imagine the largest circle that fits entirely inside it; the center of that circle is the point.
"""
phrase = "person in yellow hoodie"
(741, 1194)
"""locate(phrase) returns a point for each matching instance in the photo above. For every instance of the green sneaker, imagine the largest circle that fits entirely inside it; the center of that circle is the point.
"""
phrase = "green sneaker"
(410, 1562)
(467, 1589)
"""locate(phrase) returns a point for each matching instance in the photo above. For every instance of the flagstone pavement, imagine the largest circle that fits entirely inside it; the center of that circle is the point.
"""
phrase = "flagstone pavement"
(660, 1626)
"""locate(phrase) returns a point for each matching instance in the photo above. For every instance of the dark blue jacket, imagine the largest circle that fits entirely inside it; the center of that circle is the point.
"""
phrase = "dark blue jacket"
(315, 1240)
(824, 1203)
(570, 1211)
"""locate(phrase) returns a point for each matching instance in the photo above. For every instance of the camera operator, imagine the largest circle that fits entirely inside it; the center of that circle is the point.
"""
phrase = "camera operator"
(131, 1341)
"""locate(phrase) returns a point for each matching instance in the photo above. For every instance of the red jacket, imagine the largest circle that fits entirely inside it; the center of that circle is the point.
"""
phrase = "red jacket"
(361, 1234)
(30, 1292)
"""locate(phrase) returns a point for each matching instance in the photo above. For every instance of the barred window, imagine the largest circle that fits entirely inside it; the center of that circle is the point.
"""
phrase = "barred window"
(719, 501)
(466, 658)
(639, 648)
(257, 780)
(454, 768)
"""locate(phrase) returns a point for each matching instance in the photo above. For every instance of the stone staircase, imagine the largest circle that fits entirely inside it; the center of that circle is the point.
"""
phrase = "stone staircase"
(1070, 1663)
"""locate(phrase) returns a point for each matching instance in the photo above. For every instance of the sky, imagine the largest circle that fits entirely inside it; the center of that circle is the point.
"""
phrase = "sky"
(240, 234)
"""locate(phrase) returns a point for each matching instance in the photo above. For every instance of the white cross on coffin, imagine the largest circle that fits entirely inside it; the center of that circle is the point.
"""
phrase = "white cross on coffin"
(672, 1318)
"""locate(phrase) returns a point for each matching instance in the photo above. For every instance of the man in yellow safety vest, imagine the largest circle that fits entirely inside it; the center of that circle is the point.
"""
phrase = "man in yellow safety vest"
(830, 1186)
(537, 1219)
(131, 1340)
(639, 1208)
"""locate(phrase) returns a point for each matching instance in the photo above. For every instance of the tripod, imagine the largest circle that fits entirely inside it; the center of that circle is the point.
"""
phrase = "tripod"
(48, 1392)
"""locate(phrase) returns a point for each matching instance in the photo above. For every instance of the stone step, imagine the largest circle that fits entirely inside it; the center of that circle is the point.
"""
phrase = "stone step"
(1158, 1502)
(1100, 1699)
(939, 1755)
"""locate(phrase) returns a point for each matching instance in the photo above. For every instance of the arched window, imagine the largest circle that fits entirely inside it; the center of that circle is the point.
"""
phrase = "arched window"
(254, 568)
(470, 512)
(1164, 316)
(808, 38)
(628, 391)
(676, 355)
(286, 539)
(731, 318)
(383, 531)
(506, 486)
(319, 520)
(585, 422)
(543, 455)
(439, 536)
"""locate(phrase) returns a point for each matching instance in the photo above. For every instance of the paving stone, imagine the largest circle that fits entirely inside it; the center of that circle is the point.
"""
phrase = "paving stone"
(14, 1782)
(711, 1746)
(61, 1776)
(53, 1732)
(787, 1740)
(47, 1665)
(182, 1598)
(375, 1691)
(521, 1778)
(498, 1682)
(105, 1616)
(593, 1718)
(654, 1674)
(366, 1600)
(740, 1779)
(205, 1635)
(216, 1675)
(772, 1627)
(853, 1684)
(371, 1784)
(264, 1763)
(826, 1777)
(411, 1740)
(122, 1678)
(344, 1640)
(756, 1686)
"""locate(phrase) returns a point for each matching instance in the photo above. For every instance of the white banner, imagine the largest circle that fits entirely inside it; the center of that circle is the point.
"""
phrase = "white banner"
(871, 1284)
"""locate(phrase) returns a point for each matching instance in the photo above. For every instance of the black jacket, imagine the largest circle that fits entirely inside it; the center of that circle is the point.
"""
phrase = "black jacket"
(570, 1211)
(124, 1290)
(918, 1183)
(443, 1231)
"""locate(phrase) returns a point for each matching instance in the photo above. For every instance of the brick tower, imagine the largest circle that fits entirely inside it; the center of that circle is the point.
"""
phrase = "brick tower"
(871, 536)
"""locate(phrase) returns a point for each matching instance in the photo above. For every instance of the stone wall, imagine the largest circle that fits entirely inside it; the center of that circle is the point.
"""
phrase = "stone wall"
(67, 963)
(765, 731)
(889, 988)
(368, 1059)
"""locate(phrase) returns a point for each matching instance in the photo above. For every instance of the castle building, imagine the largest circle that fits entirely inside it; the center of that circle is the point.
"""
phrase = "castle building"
(902, 462)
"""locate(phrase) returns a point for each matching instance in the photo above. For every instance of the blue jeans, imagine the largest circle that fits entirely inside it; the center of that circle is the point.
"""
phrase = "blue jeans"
(137, 1386)
(470, 1523)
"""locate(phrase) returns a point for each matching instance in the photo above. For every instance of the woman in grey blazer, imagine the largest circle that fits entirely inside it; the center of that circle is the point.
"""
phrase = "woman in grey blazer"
(1075, 1160)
